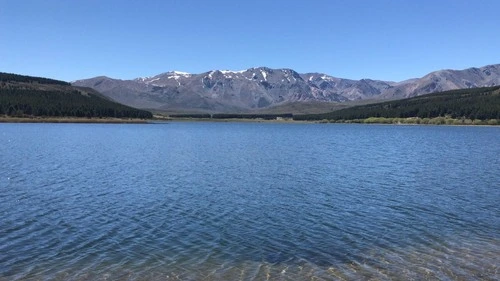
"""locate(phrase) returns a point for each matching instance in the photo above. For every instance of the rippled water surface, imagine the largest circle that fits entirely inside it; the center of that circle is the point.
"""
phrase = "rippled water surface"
(249, 201)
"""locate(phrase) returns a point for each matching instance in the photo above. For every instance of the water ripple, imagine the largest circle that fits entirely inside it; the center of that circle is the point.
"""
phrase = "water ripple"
(230, 201)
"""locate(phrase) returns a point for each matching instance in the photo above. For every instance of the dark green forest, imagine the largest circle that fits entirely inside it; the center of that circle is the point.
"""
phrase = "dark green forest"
(475, 103)
(191, 115)
(24, 96)
(9, 77)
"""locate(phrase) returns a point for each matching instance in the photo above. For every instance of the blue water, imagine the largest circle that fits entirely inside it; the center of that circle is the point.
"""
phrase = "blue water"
(249, 201)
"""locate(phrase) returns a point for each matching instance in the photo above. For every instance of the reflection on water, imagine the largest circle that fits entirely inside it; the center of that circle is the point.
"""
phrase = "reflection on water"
(224, 201)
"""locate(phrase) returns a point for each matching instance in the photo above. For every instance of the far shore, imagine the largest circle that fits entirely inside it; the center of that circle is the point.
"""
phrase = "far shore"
(83, 120)
(162, 119)
(291, 121)
(222, 120)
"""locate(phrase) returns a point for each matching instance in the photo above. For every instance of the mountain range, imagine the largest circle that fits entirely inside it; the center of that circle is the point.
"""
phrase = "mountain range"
(263, 88)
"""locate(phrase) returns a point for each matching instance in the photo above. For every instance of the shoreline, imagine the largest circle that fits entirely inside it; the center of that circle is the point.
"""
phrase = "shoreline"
(292, 121)
(106, 120)
(74, 120)
(235, 120)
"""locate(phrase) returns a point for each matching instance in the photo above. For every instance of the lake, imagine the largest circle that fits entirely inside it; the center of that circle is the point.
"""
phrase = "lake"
(249, 201)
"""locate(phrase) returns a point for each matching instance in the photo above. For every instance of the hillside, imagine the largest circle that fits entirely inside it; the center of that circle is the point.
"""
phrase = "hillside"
(26, 96)
(262, 88)
(476, 103)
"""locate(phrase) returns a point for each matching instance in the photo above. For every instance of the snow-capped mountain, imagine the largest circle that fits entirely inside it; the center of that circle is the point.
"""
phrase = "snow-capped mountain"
(261, 87)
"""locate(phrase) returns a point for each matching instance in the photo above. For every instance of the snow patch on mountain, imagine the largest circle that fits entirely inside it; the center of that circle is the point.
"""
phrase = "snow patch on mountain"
(232, 71)
(264, 74)
(327, 78)
(143, 79)
(181, 73)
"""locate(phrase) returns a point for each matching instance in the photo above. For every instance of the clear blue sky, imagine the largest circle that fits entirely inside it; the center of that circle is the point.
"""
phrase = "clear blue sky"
(387, 40)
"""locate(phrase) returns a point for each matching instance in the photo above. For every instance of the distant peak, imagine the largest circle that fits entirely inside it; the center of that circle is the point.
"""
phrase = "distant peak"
(102, 77)
(180, 72)
(232, 71)
(142, 79)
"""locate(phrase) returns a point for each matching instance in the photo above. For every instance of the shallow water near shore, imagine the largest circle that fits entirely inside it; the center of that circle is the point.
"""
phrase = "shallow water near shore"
(249, 201)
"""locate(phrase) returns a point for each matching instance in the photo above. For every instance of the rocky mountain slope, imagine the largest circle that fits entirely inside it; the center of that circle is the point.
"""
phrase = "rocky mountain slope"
(445, 80)
(262, 87)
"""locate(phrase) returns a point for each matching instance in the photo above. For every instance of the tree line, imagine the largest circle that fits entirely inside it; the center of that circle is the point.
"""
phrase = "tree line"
(10, 77)
(476, 103)
(23, 102)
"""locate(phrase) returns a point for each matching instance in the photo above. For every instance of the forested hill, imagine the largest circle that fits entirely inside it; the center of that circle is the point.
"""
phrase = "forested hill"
(26, 96)
(10, 77)
(475, 103)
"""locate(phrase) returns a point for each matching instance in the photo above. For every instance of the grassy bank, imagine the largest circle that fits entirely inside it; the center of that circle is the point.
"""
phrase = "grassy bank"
(418, 121)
